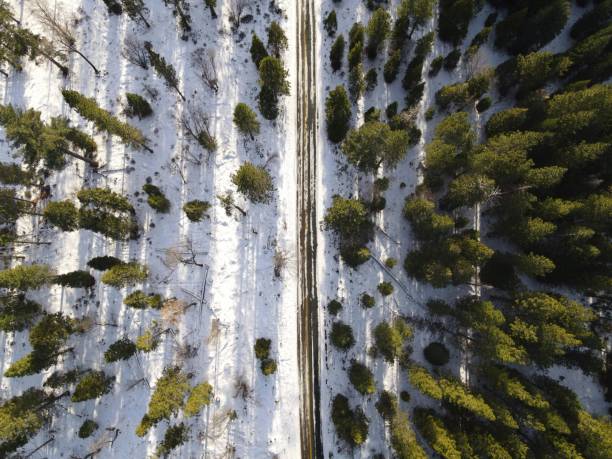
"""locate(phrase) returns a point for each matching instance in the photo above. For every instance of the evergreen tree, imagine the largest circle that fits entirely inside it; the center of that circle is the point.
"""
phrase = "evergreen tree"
(196, 210)
(403, 439)
(341, 336)
(17, 312)
(163, 69)
(436, 434)
(212, 4)
(390, 338)
(26, 277)
(351, 425)
(137, 106)
(374, 144)
(167, 399)
(200, 396)
(347, 217)
(246, 120)
(258, 50)
(337, 114)
(254, 182)
(104, 120)
(336, 54)
(62, 214)
(125, 274)
(378, 29)
(361, 378)
(330, 23)
(277, 40)
(93, 384)
(136, 10)
(274, 83)
(121, 349)
(75, 279)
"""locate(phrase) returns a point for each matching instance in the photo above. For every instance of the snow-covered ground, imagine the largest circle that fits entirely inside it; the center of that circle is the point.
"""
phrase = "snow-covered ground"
(236, 297)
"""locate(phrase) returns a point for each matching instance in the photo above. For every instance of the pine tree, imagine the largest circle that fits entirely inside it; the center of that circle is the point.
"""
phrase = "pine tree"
(378, 30)
(93, 384)
(351, 425)
(163, 69)
(336, 53)
(212, 4)
(337, 114)
(341, 336)
(277, 40)
(246, 120)
(362, 378)
(374, 144)
(200, 396)
(420, 12)
(125, 274)
(274, 83)
(17, 312)
(104, 120)
(258, 50)
(136, 10)
(62, 214)
(390, 338)
(347, 217)
(403, 439)
(137, 106)
(436, 434)
(254, 182)
(167, 399)
(121, 349)
(26, 277)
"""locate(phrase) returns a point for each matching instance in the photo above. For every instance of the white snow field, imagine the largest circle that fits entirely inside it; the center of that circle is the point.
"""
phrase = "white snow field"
(234, 296)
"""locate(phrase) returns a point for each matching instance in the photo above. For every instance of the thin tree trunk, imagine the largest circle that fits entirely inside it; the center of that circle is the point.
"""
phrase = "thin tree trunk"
(86, 60)
(63, 68)
(93, 163)
(213, 13)
(239, 209)
(144, 20)
(4, 73)
(180, 93)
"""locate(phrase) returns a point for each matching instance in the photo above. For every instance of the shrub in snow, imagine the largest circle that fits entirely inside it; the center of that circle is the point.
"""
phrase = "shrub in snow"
(25, 277)
(392, 66)
(436, 354)
(254, 182)
(378, 29)
(337, 114)
(351, 425)
(121, 349)
(93, 385)
(137, 106)
(361, 378)
(167, 399)
(199, 397)
(371, 79)
(262, 348)
(246, 120)
(174, 437)
(196, 210)
(390, 263)
(336, 54)
(385, 288)
(356, 83)
(17, 312)
(330, 23)
(334, 307)
(390, 338)
(341, 336)
(387, 405)
(148, 341)
(76, 279)
(62, 214)
(452, 59)
(277, 40)
(103, 263)
(274, 83)
(156, 199)
(268, 366)
(436, 65)
(354, 255)
(367, 301)
(125, 274)
(258, 50)
(87, 428)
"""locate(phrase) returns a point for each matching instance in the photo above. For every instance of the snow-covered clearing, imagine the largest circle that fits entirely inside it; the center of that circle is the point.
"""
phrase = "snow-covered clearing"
(235, 296)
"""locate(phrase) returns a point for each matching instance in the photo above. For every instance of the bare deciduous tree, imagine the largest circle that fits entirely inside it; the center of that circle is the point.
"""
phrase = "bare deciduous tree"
(134, 52)
(204, 62)
(281, 258)
(197, 124)
(55, 20)
(241, 388)
(236, 10)
(181, 253)
(172, 311)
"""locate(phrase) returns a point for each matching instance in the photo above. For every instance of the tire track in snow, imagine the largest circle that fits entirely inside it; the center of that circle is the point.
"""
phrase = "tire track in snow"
(308, 320)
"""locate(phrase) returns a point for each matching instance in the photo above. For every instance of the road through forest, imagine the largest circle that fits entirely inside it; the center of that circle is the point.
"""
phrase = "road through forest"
(308, 321)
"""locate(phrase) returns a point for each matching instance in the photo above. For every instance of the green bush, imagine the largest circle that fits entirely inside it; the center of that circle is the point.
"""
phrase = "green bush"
(351, 425)
(268, 366)
(87, 428)
(387, 405)
(255, 182)
(330, 23)
(137, 106)
(390, 338)
(103, 263)
(199, 397)
(148, 341)
(367, 301)
(121, 349)
(140, 300)
(354, 256)
(334, 307)
(337, 53)
(76, 279)
(341, 336)
(337, 114)
(405, 396)
(258, 50)
(436, 354)
(93, 385)
(196, 210)
(246, 120)
(262, 348)
(174, 437)
(62, 214)
(452, 59)
(391, 110)
(385, 288)
(391, 263)
(125, 274)
(361, 378)
(156, 198)
(17, 312)
(436, 65)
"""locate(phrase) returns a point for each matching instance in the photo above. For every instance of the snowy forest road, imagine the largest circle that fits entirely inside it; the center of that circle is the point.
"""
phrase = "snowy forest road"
(308, 330)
